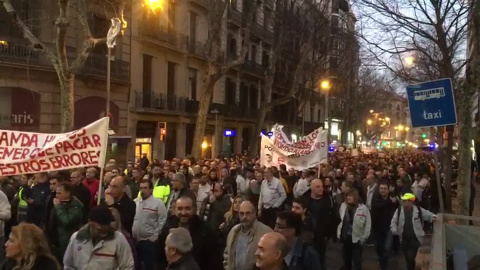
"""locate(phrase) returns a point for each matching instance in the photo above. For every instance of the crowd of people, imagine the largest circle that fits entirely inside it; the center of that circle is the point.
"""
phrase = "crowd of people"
(225, 213)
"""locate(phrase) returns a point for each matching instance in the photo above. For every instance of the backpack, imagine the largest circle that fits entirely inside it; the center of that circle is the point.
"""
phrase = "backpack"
(420, 216)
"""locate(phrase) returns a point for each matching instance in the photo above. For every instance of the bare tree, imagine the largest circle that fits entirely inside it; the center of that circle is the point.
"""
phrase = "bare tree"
(69, 12)
(300, 28)
(430, 32)
(218, 64)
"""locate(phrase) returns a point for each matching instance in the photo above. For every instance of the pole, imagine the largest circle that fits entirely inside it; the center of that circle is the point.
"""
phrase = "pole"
(99, 192)
(437, 174)
(303, 122)
(327, 117)
(107, 111)
(216, 135)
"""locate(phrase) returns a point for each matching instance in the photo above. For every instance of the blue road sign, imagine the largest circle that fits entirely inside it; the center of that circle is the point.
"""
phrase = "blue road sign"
(432, 104)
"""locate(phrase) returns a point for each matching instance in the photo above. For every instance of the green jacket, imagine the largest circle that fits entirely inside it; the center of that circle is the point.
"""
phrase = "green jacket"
(67, 220)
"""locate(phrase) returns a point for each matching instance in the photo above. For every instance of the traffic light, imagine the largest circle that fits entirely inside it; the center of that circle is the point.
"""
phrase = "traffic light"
(163, 130)
(424, 136)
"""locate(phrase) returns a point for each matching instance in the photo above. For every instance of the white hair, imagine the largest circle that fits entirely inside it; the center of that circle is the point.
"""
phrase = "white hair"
(180, 177)
(179, 239)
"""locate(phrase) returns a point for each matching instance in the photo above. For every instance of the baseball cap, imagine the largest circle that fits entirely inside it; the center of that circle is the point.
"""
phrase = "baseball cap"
(408, 197)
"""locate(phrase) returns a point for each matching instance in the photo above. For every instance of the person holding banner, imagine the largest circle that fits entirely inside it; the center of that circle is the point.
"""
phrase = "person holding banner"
(272, 196)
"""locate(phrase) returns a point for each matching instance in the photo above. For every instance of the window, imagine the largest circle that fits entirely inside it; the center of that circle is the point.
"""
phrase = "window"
(312, 110)
(171, 79)
(230, 92)
(253, 97)
(253, 54)
(193, 28)
(319, 116)
(233, 4)
(192, 84)
(232, 47)
(265, 59)
(171, 16)
(147, 80)
(243, 95)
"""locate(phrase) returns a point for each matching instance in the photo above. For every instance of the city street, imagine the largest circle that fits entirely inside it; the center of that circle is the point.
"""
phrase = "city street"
(335, 261)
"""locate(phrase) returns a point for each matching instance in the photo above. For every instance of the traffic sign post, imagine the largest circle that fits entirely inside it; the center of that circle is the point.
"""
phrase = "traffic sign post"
(432, 104)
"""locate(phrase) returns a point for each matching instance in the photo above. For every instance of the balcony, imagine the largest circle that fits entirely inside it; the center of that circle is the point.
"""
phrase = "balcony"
(262, 32)
(254, 68)
(235, 16)
(19, 53)
(197, 48)
(158, 102)
(163, 35)
(269, 3)
(200, 3)
(96, 66)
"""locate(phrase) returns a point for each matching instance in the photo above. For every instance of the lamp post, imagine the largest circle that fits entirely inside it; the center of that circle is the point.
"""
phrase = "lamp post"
(325, 85)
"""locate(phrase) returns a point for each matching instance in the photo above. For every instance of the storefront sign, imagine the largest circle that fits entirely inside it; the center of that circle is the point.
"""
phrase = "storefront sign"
(229, 133)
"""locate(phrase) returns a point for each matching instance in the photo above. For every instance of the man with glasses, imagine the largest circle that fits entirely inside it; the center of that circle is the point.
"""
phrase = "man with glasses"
(179, 189)
(81, 192)
(115, 197)
(243, 239)
(300, 256)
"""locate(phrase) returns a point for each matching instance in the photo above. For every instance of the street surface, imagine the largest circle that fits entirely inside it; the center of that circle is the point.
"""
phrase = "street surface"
(369, 258)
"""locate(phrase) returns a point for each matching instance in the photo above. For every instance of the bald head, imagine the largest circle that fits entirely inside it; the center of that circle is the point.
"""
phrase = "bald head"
(317, 188)
(272, 248)
(117, 187)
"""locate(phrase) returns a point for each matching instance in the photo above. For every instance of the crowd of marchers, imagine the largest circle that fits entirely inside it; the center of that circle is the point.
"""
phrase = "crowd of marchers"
(223, 213)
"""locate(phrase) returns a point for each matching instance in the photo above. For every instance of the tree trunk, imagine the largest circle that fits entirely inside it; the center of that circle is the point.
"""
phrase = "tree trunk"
(447, 184)
(256, 131)
(67, 81)
(202, 116)
(464, 153)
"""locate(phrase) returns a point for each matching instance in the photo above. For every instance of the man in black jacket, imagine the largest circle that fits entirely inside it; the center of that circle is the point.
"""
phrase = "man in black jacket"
(179, 189)
(205, 250)
(320, 206)
(81, 192)
(38, 200)
(383, 208)
(115, 197)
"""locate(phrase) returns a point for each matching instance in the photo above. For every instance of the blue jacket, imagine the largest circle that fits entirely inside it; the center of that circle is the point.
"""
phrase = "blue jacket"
(304, 257)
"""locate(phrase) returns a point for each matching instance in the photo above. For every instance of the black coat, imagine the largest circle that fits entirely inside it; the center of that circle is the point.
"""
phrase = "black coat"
(382, 213)
(324, 217)
(127, 208)
(41, 263)
(185, 263)
(84, 196)
(36, 211)
(205, 251)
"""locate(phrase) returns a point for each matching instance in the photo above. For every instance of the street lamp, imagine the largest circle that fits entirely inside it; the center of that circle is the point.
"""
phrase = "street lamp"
(409, 61)
(369, 122)
(325, 85)
(387, 119)
(153, 5)
(371, 111)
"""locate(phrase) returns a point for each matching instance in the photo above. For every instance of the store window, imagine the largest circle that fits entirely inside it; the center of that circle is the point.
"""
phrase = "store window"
(143, 146)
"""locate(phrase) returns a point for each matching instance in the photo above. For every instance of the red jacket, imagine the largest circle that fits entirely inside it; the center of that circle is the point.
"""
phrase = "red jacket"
(93, 187)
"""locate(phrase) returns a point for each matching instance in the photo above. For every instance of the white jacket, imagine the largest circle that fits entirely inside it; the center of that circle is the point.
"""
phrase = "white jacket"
(150, 217)
(362, 223)
(113, 253)
(5, 213)
(398, 222)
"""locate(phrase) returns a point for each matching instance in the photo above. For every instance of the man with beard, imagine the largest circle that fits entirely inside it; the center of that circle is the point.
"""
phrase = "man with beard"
(205, 251)
(243, 239)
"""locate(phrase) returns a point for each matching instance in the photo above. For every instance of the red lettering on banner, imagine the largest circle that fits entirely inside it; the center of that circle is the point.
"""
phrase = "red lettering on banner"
(75, 158)
(96, 140)
(25, 153)
(86, 142)
(60, 161)
(35, 165)
(76, 145)
(93, 157)
(26, 167)
(50, 138)
(55, 163)
(85, 158)
(15, 140)
(66, 159)
(17, 153)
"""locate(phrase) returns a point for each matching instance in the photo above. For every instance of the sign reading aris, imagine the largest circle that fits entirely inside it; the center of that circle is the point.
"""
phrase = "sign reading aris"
(432, 104)
(28, 152)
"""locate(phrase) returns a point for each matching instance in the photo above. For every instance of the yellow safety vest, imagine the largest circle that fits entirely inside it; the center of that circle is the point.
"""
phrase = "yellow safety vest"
(159, 192)
(21, 202)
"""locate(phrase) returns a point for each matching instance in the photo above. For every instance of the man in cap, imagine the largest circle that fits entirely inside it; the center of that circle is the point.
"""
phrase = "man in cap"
(407, 223)
(98, 246)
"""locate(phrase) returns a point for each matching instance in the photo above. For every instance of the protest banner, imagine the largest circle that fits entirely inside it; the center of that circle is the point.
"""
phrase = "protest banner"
(309, 152)
(28, 152)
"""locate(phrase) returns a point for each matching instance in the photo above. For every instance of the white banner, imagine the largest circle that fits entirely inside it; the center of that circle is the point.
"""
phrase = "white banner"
(28, 152)
(309, 152)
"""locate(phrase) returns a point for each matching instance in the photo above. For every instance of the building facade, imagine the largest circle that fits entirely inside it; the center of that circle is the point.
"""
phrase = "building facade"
(29, 87)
